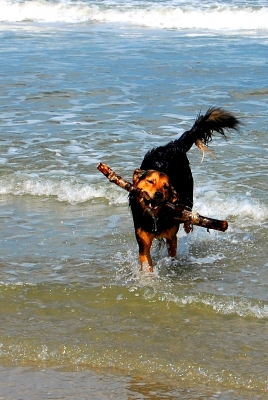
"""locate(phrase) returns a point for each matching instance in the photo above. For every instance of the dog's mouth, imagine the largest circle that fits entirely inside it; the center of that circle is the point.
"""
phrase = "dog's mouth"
(153, 205)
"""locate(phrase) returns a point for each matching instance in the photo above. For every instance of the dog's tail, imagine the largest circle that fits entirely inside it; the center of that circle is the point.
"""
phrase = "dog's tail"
(215, 120)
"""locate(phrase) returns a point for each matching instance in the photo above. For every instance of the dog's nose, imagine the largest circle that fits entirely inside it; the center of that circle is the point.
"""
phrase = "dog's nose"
(158, 196)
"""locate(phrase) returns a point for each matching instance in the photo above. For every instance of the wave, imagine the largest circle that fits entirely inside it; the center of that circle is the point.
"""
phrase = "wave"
(228, 305)
(224, 305)
(230, 206)
(73, 192)
(151, 15)
(63, 190)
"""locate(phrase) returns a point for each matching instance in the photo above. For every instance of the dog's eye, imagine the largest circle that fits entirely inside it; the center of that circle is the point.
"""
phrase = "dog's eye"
(150, 181)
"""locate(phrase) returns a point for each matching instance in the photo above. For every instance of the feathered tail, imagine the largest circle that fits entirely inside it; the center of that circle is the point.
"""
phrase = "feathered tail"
(215, 120)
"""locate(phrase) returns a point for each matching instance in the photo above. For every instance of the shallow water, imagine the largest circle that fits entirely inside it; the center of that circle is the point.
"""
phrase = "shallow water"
(79, 320)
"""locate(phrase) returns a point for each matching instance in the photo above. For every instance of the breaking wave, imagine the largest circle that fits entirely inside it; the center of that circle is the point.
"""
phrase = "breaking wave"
(70, 191)
(158, 15)
(62, 190)
(73, 192)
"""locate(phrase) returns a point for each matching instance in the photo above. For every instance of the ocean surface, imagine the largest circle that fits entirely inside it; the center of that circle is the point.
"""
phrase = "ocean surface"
(83, 82)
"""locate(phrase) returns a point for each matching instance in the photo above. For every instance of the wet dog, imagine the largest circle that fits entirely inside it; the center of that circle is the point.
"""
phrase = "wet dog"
(165, 174)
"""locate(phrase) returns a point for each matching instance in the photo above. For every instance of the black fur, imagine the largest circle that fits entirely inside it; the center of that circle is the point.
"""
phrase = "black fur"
(173, 161)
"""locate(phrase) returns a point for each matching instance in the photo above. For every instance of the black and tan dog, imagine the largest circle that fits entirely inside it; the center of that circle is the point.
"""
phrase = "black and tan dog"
(165, 174)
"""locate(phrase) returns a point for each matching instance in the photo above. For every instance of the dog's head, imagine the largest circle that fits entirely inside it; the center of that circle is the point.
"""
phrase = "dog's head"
(158, 187)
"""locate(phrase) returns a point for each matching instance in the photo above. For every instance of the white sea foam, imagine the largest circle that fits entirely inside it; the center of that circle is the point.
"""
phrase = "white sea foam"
(211, 203)
(160, 15)
(228, 305)
(63, 190)
(230, 206)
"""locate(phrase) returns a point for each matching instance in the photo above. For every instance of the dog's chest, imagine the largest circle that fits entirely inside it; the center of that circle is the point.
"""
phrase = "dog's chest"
(156, 224)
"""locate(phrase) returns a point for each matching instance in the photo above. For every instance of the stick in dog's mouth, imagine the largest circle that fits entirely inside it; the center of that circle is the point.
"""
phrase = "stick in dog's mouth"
(184, 215)
(153, 205)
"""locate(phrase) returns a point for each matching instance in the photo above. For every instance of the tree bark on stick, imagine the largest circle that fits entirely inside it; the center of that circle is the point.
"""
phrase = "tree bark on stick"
(183, 214)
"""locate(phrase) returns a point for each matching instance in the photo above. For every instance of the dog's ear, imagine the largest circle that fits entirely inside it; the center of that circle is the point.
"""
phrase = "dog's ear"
(138, 175)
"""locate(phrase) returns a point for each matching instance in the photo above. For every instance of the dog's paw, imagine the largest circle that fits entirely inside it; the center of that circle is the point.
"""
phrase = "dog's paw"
(146, 267)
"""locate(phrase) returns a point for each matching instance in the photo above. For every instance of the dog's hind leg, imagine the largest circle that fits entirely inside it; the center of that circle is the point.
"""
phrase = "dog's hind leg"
(172, 246)
(171, 239)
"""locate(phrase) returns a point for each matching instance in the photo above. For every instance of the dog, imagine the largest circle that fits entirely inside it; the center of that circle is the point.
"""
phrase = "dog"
(165, 174)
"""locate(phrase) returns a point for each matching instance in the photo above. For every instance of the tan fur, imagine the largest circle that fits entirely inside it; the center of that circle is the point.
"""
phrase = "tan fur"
(154, 182)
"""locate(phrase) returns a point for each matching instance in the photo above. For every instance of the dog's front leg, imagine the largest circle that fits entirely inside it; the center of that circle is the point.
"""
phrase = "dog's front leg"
(145, 240)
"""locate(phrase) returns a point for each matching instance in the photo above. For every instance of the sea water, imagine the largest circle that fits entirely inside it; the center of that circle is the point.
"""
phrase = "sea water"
(83, 82)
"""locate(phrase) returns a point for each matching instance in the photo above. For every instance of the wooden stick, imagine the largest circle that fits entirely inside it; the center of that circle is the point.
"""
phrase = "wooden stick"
(205, 222)
(113, 177)
(183, 214)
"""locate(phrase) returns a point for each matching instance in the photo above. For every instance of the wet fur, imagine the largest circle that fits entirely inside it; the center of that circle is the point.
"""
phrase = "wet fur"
(164, 169)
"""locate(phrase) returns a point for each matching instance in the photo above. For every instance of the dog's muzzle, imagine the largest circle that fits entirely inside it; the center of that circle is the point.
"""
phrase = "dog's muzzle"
(156, 202)
(159, 197)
